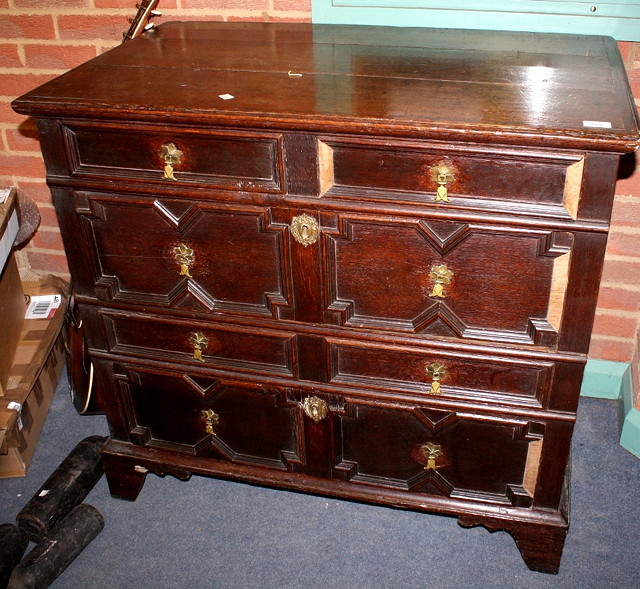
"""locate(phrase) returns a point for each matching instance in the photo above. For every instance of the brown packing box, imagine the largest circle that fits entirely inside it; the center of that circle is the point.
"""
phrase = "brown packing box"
(12, 309)
(33, 379)
(12, 305)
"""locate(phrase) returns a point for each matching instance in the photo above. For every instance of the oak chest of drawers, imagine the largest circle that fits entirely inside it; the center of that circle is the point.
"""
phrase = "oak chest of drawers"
(362, 262)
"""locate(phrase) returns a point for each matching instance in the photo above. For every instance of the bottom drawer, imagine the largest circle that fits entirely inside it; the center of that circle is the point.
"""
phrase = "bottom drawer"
(202, 415)
(354, 439)
(439, 452)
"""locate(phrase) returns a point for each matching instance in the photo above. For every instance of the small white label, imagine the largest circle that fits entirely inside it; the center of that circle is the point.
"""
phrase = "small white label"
(43, 306)
(43, 493)
(226, 96)
(17, 407)
(597, 124)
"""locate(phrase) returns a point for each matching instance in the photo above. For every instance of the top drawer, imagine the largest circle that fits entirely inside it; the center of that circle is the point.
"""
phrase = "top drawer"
(491, 179)
(229, 160)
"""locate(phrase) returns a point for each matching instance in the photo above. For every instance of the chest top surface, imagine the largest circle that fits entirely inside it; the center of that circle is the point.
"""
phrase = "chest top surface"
(557, 90)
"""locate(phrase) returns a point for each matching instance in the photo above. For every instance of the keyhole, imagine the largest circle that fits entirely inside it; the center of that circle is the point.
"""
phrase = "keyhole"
(305, 231)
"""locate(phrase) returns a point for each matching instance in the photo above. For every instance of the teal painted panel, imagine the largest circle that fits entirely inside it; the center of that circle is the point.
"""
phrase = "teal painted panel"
(630, 436)
(603, 379)
(617, 18)
(629, 419)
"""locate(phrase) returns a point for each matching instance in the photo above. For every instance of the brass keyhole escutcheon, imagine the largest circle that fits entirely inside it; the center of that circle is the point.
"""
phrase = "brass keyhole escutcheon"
(441, 276)
(431, 452)
(211, 419)
(436, 372)
(170, 156)
(199, 341)
(305, 229)
(185, 257)
(315, 408)
(443, 175)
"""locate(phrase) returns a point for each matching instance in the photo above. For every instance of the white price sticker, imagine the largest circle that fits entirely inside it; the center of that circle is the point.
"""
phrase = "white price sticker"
(43, 306)
(17, 407)
(597, 124)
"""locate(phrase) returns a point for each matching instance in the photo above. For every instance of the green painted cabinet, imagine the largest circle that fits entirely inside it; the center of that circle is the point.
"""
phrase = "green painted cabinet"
(617, 18)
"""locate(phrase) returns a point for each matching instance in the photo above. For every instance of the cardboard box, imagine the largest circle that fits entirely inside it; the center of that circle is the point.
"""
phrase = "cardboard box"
(12, 310)
(33, 380)
(9, 224)
(12, 304)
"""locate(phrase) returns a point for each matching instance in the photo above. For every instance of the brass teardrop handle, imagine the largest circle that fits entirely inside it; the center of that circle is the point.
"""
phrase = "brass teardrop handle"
(441, 276)
(211, 419)
(171, 157)
(436, 372)
(432, 452)
(199, 341)
(185, 257)
(305, 229)
(442, 174)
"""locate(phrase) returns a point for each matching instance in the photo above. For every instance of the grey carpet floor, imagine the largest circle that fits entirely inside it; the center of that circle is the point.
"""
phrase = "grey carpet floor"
(207, 533)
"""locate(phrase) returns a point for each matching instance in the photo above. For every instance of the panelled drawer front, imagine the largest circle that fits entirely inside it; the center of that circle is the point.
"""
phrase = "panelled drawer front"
(439, 452)
(409, 447)
(493, 179)
(182, 254)
(443, 374)
(209, 417)
(200, 343)
(229, 160)
(459, 280)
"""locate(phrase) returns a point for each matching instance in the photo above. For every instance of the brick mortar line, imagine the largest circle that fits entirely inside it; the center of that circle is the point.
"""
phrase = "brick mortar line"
(611, 338)
(621, 286)
(43, 250)
(628, 198)
(626, 229)
(17, 152)
(26, 71)
(53, 42)
(624, 259)
(617, 313)
(130, 12)
(620, 258)
(17, 179)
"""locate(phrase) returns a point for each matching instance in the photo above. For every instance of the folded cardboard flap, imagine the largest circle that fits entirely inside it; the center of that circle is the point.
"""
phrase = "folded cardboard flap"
(38, 363)
(8, 423)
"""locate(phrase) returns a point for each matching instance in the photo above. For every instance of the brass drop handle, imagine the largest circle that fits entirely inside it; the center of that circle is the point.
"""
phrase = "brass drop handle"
(442, 174)
(305, 229)
(211, 419)
(171, 157)
(315, 408)
(199, 341)
(185, 257)
(432, 452)
(436, 372)
(441, 276)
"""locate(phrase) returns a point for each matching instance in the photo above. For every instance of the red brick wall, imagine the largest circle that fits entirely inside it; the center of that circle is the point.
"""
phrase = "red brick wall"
(40, 39)
(616, 334)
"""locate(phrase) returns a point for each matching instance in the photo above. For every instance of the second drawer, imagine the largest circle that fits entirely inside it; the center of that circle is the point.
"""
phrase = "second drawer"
(455, 374)
(179, 340)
